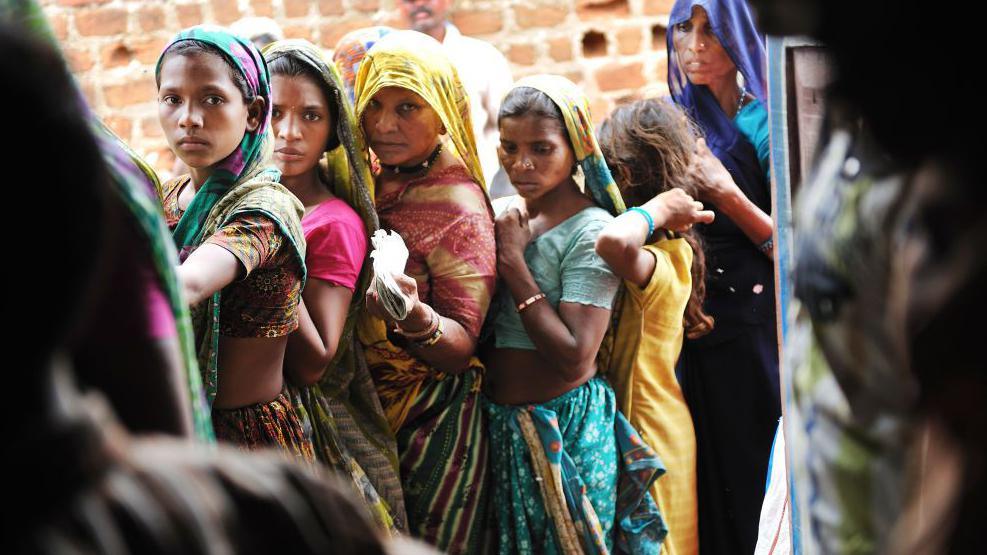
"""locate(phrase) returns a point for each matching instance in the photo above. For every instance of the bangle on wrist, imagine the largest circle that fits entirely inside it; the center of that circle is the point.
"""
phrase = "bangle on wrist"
(530, 301)
(436, 334)
(647, 217)
(766, 246)
(428, 330)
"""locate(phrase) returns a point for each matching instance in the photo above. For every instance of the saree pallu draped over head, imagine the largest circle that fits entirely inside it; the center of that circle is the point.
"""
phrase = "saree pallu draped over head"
(243, 183)
(436, 416)
(555, 461)
(416, 62)
(342, 411)
(136, 185)
(574, 105)
(733, 27)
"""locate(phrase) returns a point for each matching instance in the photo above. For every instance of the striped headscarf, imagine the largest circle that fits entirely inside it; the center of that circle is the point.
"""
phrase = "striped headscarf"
(350, 51)
(255, 148)
(579, 124)
(416, 62)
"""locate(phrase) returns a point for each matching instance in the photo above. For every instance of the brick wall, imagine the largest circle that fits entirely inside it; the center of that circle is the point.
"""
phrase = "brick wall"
(612, 48)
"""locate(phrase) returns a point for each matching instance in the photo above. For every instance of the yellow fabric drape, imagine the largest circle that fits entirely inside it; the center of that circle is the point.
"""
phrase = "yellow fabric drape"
(415, 61)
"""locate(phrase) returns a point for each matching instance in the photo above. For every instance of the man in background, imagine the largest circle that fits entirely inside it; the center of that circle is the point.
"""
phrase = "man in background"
(485, 75)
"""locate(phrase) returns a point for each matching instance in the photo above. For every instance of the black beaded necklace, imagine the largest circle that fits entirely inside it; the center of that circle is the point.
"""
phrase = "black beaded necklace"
(415, 168)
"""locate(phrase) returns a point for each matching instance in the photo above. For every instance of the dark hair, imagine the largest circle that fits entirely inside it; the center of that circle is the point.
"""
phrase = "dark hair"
(648, 146)
(287, 65)
(194, 47)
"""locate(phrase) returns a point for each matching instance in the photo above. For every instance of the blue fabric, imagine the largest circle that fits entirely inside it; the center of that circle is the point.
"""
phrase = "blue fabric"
(752, 121)
(565, 266)
(740, 279)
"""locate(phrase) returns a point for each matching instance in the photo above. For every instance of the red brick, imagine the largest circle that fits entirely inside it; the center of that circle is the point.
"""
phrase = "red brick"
(332, 32)
(226, 11)
(263, 8)
(80, 59)
(366, 5)
(658, 7)
(599, 109)
(151, 18)
(151, 128)
(629, 41)
(659, 37)
(148, 49)
(576, 76)
(594, 44)
(80, 2)
(299, 32)
(615, 77)
(478, 22)
(538, 16)
(560, 49)
(59, 26)
(135, 91)
(604, 9)
(120, 125)
(116, 54)
(189, 14)
(522, 54)
(662, 69)
(101, 22)
(296, 8)
(331, 7)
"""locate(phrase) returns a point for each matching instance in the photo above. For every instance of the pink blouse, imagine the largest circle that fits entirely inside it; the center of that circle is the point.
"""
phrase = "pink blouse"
(336, 243)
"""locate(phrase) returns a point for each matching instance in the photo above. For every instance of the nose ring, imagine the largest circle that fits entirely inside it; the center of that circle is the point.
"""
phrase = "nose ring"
(526, 164)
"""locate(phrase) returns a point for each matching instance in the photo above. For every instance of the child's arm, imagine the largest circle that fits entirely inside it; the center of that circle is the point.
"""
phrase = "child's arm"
(620, 242)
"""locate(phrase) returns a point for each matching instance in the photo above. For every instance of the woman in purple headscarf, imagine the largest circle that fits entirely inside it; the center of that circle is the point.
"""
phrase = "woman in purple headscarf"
(730, 376)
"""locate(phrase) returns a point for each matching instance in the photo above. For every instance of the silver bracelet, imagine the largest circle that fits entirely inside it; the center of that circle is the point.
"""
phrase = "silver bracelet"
(766, 246)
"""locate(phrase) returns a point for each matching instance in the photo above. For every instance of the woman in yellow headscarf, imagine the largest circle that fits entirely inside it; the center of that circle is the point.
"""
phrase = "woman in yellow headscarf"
(415, 116)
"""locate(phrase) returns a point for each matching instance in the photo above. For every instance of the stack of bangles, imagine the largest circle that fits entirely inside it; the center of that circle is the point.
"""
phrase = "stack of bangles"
(428, 336)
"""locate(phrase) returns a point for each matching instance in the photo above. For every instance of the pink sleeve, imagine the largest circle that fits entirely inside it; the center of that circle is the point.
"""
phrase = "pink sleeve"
(160, 319)
(335, 252)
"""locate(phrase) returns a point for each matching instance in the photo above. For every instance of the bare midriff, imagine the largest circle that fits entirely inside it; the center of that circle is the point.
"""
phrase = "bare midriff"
(250, 371)
(523, 376)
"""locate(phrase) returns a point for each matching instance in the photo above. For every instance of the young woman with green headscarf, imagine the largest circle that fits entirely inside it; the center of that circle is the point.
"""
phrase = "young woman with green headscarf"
(237, 230)
(323, 162)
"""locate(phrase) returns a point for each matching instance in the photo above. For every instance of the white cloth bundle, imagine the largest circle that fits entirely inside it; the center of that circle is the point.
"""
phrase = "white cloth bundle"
(390, 255)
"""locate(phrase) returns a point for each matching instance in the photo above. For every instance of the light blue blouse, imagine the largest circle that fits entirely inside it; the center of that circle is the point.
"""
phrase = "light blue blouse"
(565, 266)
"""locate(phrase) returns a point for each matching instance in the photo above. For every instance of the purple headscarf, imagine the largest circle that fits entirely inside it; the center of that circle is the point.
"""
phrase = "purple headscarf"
(734, 28)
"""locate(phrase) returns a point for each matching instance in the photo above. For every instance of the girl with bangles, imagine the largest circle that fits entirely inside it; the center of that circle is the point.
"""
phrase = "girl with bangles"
(648, 145)
(414, 114)
(570, 474)
(322, 158)
(238, 233)
(730, 375)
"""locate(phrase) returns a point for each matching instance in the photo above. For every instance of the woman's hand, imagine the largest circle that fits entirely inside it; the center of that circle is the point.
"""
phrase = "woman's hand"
(513, 235)
(408, 287)
(677, 211)
(713, 182)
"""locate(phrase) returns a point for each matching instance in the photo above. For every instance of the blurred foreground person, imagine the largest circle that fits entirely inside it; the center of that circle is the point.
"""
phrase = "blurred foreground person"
(87, 485)
(896, 266)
